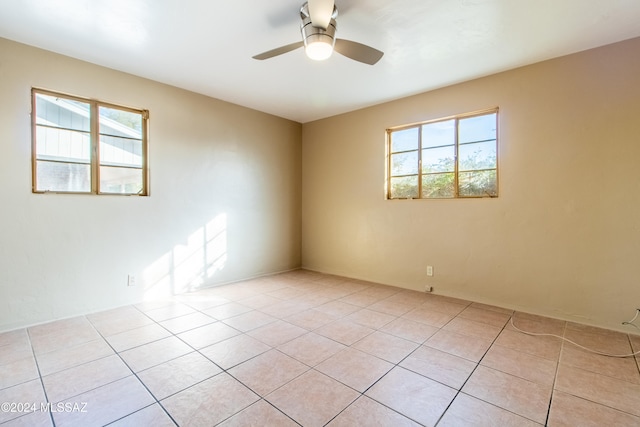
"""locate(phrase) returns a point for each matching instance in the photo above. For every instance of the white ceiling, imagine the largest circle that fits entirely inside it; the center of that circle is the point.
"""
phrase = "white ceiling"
(206, 45)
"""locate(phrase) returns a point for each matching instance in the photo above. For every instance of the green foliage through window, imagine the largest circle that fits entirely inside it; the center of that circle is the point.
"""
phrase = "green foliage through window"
(447, 158)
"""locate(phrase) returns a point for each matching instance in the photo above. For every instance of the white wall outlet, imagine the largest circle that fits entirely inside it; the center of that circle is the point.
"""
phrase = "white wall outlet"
(428, 288)
(429, 270)
(131, 280)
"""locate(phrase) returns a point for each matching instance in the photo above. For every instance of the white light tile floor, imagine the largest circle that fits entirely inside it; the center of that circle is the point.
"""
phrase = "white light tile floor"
(304, 348)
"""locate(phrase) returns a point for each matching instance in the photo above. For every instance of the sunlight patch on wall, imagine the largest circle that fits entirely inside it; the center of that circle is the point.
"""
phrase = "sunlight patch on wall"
(189, 265)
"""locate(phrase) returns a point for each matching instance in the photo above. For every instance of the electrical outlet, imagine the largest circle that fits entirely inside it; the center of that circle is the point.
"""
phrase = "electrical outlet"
(429, 270)
(428, 288)
(131, 280)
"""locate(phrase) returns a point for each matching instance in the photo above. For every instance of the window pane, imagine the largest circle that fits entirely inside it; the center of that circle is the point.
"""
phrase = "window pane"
(438, 159)
(478, 184)
(439, 133)
(404, 187)
(120, 123)
(56, 176)
(439, 185)
(61, 112)
(479, 155)
(479, 128)
(115, 151)
(60, 144)
(120, 145)
(120, 180)
(404, 163)
(404, 140)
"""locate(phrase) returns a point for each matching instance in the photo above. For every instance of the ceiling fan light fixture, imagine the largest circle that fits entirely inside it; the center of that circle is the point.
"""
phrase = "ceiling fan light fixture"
(318, 42)
(319, 50)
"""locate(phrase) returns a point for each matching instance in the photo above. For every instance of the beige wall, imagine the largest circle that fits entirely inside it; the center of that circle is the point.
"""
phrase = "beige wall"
(225, 198)
(562, 239)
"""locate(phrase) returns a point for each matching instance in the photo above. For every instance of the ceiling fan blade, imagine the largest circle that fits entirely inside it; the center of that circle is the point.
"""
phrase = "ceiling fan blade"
(278, 51)
(320, 12)
(358, 51)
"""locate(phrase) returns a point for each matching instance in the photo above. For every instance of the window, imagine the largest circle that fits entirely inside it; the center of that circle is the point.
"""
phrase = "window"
(85, 146)
(455, 157)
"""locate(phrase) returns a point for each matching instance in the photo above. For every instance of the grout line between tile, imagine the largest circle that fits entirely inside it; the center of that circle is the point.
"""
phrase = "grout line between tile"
(636, 358)
(555, 377)
(44, 390)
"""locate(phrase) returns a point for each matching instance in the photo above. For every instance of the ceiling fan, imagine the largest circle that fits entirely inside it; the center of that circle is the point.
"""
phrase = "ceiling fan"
(318, 30)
